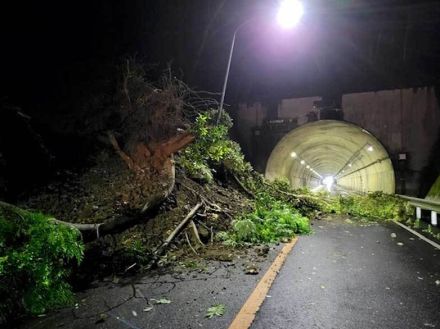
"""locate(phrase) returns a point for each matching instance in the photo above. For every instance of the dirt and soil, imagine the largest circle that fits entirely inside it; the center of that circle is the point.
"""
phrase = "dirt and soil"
(108, 189)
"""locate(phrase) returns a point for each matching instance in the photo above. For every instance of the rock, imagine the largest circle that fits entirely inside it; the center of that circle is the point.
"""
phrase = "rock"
(262, 250)
(251, 269)
(225, 258)
(204, 233)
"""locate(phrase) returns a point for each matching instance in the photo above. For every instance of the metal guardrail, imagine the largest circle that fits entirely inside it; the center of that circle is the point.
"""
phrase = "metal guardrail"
(431, 205)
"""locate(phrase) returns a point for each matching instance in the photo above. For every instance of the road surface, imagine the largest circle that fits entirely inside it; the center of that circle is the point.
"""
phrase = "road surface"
(351, 276)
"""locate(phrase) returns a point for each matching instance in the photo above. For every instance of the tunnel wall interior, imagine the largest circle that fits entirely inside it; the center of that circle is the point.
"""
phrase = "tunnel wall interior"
(352, 156)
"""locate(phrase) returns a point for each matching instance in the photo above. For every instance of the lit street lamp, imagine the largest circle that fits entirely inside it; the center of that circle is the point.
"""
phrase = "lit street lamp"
(289, 15)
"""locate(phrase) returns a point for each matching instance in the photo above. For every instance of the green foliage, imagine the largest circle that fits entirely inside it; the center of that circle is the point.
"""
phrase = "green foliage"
(211, 149)
(417, 223)
(428, 230)
(376, 205)
(373, 206)
(162, 300)
(424, 227)
(134, 250)
(215, 310)
(434, 191)
(272, 220)
(34, 262)
(245, 229)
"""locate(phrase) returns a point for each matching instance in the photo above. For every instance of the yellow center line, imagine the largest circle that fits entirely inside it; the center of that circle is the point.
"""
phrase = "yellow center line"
(246, 316)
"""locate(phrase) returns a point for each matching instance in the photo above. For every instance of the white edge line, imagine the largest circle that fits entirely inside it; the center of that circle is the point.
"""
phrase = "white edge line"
(424, 238)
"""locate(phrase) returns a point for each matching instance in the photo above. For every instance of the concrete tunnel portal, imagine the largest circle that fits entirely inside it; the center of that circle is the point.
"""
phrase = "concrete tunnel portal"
(334, 155)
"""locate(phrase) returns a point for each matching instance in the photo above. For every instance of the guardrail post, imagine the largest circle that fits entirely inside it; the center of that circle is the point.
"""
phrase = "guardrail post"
(433, 218)
(418, 212)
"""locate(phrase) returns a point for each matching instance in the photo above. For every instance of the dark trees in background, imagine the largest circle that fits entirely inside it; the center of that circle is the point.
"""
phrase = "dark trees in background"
(24, 159)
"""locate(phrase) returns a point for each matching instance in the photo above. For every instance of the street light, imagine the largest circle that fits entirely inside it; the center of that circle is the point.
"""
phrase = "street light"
(289, 14)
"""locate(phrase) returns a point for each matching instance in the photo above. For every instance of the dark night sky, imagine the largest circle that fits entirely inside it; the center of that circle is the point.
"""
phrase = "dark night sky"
(55, 51)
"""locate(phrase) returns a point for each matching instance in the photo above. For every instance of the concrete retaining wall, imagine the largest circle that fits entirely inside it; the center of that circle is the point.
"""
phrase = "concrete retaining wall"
(406, 121)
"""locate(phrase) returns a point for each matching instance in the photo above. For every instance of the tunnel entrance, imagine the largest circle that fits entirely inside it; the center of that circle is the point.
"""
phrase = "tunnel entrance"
(333, 155)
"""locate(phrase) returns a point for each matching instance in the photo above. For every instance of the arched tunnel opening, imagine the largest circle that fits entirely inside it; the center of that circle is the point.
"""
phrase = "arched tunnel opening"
(332, 155)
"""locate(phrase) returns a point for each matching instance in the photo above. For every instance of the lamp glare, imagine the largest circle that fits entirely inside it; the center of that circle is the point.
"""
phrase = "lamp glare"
(290, 13)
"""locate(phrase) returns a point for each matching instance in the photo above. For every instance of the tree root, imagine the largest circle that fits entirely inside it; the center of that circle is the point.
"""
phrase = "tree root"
(244, 188)
(189, 243)
(196, 232)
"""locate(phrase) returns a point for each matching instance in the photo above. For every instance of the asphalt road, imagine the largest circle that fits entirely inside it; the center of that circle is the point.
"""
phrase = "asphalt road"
(351, 276)
(131, 302)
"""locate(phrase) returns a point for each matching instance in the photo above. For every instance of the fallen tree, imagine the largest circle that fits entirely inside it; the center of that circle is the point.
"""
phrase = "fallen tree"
(144, 126)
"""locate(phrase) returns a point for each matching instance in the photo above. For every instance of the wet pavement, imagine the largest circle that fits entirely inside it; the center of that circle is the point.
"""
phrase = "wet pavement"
(143, 302)
(345, 275)
(351, 276)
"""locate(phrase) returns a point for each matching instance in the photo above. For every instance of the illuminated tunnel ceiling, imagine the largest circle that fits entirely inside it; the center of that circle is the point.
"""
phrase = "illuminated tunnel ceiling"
(350, 154)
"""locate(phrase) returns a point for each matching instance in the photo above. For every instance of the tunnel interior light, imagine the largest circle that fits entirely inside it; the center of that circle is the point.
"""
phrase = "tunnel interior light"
(350, 165)
(317, 188)
(308, 167)
(328, 181)
(290, 13)
(370, 148)
(303, 162)
(293, 155)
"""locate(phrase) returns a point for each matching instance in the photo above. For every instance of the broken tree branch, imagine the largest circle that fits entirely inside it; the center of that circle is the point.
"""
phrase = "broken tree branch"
(212, 206)
(189, 243)
(95, 231)
(159, 252)
(196, 232)
(244, 188)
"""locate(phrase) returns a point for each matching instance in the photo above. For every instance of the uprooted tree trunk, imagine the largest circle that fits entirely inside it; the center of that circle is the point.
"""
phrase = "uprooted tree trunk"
(153, 166)
(150, 130)
(148, 125)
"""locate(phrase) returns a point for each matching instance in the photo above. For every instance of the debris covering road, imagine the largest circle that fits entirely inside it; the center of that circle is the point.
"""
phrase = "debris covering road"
(345, 275)
(352, 276)
(184, 298)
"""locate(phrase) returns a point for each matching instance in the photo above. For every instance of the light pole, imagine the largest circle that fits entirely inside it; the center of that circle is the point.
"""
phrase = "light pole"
(289, 14)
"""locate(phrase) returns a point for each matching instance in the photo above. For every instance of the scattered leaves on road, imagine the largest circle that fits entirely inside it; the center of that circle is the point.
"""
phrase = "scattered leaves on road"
(102, 317)
(393, 235)
(148, 308)
(215, 310)
(400, 244)
(161, 301)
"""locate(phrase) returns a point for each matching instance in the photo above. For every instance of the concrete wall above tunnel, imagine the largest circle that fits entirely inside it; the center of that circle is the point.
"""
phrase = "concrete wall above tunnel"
(350, 154)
